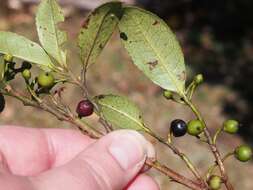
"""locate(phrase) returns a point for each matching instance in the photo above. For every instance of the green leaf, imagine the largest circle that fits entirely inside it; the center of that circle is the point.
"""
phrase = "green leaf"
(97, 30)
(120, 112)
(21, 47)
(153, 48)
(49, 15)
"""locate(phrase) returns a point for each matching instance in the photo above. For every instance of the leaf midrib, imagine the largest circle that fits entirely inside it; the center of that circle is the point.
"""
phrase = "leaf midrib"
(86, 62)
(123, 113)
(55, 31)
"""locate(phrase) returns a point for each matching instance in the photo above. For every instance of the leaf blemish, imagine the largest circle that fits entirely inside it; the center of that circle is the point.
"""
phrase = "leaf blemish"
(123, 36)
(152, 64)
(94, 13)
(86, 23)
(155, 23)
(100, 96)
(182, 76)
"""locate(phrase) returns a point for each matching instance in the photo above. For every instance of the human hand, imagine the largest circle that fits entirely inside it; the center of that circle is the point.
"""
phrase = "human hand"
(50, 159)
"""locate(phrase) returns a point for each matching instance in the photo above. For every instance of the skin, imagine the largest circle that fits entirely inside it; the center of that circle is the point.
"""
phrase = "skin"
(49, 159)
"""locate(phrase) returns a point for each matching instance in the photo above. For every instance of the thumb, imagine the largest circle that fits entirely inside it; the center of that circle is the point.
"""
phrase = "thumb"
(108, 164)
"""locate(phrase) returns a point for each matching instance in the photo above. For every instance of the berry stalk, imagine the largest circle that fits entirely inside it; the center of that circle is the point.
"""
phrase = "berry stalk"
(211, 143)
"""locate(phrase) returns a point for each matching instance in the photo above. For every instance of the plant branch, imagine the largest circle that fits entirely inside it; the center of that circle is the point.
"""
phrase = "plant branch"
(90, 131)
(174, 175)
(211, 168)
(187, 161)
(60, 116)
(211, 143)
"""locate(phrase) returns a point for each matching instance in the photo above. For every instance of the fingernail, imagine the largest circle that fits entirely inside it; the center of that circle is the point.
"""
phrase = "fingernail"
(128, 149)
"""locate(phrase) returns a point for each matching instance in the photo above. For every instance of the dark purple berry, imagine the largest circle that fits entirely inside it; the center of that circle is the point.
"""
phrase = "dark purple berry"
(2, 102)
(178, 128)
(84, 108)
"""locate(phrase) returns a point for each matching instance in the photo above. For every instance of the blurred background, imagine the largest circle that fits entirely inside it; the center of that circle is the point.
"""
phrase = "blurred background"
(217, 40)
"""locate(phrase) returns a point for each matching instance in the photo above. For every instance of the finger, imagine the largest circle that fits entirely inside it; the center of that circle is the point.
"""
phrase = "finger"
(143, 182)
(29, 151)
(108, 164)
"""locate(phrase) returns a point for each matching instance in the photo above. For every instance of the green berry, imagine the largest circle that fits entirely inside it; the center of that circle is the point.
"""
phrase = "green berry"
(26, 74)
(167, 94)
(198, 79)
(231, 126)
(215, 182)
(46, 80)
(194, 127)
(8, 57)
(243, 153)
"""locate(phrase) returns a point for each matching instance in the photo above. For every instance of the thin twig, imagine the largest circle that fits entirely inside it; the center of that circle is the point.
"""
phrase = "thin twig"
(176, 151)
(212, 145)
(174, 175)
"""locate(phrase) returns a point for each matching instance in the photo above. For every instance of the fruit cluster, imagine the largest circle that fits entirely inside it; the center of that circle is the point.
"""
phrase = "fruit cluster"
(194, 127)
(44, 79)
(179, 128)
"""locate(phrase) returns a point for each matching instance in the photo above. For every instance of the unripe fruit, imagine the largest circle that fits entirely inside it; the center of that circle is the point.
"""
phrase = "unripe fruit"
(26, 65)
(243, 153)
(178, 128)
(8, 58)
(231, 126)
(26, 74)
(45, 80)
(167, 94)
(194, 127)
(84, 108)
(215, 182)
(198, 79)
(2, 102)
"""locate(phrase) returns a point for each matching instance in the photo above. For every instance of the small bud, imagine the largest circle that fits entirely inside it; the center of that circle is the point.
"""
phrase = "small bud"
(243, 153)
(198, 79)
(215, 182)
(167, 94)
(8, 58)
